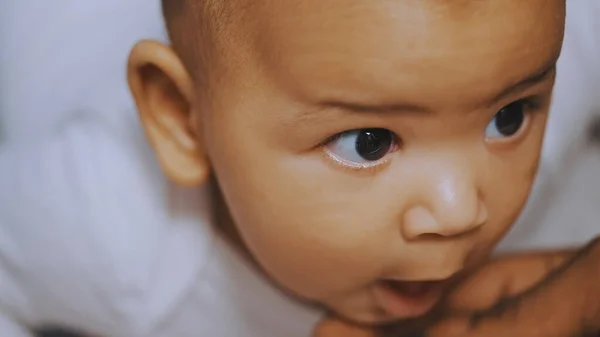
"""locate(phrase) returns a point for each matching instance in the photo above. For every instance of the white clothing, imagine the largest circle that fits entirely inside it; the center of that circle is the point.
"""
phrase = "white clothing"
(89, 240)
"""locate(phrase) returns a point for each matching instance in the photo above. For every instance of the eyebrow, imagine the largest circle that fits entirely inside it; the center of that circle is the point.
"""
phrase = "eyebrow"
(528, 82)
(538, 77)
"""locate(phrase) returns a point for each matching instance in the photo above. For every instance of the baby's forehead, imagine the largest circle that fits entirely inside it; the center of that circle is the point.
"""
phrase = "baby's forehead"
(362, 42)
(404, 29)
(219, 13)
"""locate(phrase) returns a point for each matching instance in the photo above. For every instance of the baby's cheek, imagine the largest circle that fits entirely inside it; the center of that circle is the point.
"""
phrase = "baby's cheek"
(307, 234)
(506, 195)
(316, 265)
(315, 261)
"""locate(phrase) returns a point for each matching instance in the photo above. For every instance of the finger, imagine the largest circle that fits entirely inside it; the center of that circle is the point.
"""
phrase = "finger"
(548, 323)
(336, 328)
(503, 278)
(563, 305)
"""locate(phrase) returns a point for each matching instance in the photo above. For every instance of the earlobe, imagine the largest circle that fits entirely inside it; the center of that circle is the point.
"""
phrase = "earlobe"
(164, 94)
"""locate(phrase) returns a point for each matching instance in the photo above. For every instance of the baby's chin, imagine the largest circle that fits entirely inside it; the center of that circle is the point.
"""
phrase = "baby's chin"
(371, 324)
(369, 316)
(377, 324)
(379, 319)
(360, 313)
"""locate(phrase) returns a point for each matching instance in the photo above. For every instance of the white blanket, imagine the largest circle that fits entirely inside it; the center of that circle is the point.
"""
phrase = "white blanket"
(62, 56)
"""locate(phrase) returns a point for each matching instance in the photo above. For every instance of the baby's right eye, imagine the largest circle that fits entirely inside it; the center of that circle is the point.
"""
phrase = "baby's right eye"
(361, 148)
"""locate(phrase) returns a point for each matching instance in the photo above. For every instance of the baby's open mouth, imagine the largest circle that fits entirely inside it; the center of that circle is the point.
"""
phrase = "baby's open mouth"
(407, 299)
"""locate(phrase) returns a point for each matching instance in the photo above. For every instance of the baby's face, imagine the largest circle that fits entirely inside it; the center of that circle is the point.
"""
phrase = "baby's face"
(367, 147)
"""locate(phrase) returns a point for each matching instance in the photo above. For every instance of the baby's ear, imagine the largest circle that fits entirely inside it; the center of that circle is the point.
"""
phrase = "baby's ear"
(164, 92)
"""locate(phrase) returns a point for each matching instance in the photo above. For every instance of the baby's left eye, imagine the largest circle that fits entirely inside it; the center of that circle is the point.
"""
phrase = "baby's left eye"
(361, 147)
(507, 122)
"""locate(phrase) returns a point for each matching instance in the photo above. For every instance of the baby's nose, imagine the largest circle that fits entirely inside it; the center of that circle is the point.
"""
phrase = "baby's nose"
(449, 205)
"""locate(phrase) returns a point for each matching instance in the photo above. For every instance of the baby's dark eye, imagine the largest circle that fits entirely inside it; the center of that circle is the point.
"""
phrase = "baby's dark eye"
(359, 147)
(507, 122)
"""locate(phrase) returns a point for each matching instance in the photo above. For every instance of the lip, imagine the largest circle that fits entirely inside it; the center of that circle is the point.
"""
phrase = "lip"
(407, 299)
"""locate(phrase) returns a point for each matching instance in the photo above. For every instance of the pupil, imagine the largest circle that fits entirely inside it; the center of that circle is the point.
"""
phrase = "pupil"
(373, 144)
(510, 119)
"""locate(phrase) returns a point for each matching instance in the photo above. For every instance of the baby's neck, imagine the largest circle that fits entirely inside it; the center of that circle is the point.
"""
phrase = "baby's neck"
(224, 224)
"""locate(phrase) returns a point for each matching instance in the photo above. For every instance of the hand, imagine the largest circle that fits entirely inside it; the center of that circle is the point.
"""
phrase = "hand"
(536, 295)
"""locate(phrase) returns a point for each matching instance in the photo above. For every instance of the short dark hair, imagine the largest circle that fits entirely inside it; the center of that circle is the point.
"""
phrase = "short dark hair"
(191, 30)
(170, 7)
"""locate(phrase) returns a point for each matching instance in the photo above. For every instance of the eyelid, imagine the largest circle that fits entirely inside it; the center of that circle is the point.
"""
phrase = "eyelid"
(370, 167)
(533, 97)
(530, 103)
(353, 165)
(361, 170)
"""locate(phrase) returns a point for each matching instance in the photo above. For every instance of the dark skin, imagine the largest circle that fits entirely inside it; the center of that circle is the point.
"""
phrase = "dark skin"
(546, 294)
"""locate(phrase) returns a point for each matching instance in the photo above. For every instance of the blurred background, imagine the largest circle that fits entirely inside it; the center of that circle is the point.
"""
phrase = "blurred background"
(61, 57)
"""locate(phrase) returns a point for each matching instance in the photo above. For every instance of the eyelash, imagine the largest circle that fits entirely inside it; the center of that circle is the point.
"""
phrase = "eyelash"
(370, 168)
(353, 166)
(531, 104)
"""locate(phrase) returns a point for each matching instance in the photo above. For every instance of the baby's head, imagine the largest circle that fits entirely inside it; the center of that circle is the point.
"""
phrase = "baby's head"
(361, 146)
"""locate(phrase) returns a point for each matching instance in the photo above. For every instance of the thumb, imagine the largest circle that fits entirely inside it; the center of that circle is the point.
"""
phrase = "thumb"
(565, 303)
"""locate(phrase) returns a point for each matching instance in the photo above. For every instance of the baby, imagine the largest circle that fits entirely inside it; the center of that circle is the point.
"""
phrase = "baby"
(358, 156)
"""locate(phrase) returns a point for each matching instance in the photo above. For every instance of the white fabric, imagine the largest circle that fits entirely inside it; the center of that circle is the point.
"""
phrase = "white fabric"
(89, 240)
(62, 56)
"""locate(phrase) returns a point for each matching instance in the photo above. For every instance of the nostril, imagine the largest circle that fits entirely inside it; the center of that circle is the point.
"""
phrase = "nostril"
(421, 224)
(432, 237)
(454, 235)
